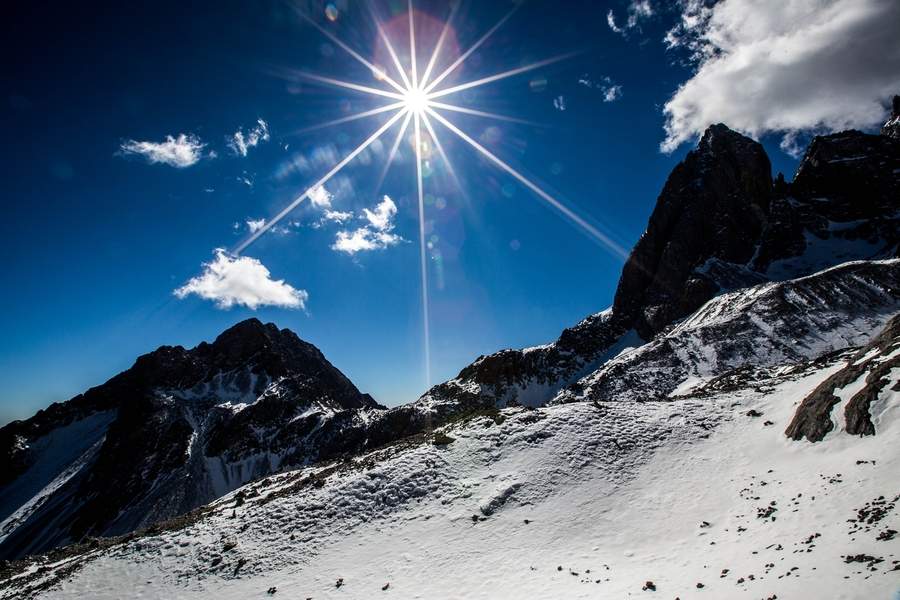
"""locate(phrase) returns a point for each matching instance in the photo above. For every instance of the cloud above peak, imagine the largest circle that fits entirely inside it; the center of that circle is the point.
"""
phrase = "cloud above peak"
(241, 143)
(230, 280)
(785, 67)
(180, 152)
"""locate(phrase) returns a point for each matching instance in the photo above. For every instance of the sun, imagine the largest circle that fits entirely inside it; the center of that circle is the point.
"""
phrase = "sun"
(416, 101)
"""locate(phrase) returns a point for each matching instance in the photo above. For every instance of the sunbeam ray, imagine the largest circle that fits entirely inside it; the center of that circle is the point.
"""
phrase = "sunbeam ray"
(598, 235)
(389, 46)
(439, 44)
(423, 263)
(393, 153)
(352, 52)
(353, 117)
(412, 47)
(474, 47)
(482, 113)
(274, 221)
(346, 84)
(440, 149)
(499, 76)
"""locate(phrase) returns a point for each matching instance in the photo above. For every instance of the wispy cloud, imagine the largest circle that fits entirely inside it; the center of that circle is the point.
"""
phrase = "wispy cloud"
(374, 236)
(784, 67)
(243, 281)
(246, 179)
(610, 89)
(255, 225)
(637, 10)
(179, 152)
(241, 143)
(337, 216)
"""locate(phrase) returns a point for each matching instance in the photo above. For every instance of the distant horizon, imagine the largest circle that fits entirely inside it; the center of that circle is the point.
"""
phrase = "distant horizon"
(150, 187)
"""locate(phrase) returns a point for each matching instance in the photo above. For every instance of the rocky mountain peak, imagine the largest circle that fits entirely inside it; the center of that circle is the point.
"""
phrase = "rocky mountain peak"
(713, 205)
(177, 429)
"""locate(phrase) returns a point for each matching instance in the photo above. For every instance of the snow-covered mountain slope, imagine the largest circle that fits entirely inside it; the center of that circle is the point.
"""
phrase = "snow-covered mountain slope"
(765, 325)
(177, 430)
(57, 457)
(576, 500)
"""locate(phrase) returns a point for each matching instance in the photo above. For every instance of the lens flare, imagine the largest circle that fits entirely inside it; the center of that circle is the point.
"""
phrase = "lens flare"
(416, 102)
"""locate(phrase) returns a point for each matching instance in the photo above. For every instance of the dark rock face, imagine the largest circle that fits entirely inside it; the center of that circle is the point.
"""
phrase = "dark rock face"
(714, 205)
(891, 127)
(187, 426)
(813, 418)
(577, 348)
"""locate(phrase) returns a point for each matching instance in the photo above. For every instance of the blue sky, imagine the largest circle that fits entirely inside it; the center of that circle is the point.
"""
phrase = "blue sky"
(96, 239)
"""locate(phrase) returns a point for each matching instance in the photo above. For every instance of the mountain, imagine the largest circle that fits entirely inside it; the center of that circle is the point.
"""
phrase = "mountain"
(752, 340)
(697, 494)
(176, 430)
(721, 223)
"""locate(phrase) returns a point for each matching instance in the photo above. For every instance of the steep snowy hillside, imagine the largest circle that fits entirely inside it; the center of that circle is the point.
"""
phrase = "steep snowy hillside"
(178, 429)
(566, 501)
(766, 325)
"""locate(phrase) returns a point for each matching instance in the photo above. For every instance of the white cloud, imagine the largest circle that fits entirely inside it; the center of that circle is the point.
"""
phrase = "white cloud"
(337, 216)
(636, 11)
(255, 225)
(179, 152)
(240, 144)
(374, 236)
(363, 239)
(320, 197)
(240, 280)
(246, 180)
(610, 89)
(787, 67)
(383, 216)
(612, 93)
(611, 21)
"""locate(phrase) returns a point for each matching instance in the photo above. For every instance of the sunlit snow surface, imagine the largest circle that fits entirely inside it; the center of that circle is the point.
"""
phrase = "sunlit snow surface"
(616, 493)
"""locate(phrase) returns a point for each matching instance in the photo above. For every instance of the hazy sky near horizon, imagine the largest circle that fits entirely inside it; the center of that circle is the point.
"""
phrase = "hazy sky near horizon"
(146, 143)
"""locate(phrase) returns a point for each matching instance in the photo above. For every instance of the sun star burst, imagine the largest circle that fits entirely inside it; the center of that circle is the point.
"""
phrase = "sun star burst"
(414, 101)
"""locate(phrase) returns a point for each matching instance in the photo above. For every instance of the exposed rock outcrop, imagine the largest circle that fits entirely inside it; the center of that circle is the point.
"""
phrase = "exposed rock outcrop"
(868, 374)
(891, 127)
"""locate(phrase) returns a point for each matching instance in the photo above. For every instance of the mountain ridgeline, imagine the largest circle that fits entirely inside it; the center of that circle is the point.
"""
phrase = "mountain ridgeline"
(736, 271)
(176, 430)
